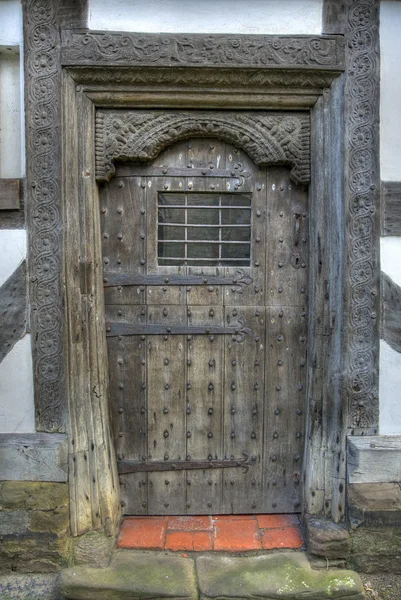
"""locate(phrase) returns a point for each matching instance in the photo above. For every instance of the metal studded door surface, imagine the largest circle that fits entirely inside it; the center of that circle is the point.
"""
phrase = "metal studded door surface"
(205, 274)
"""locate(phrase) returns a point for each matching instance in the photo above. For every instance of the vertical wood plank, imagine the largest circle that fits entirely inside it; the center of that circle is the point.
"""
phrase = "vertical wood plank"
(204, 410)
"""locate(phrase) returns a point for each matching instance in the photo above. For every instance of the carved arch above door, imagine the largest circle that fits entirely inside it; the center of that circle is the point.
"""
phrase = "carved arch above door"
(139, 136)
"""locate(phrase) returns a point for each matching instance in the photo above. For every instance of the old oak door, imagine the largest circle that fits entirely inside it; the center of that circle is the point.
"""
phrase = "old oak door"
(205, 273)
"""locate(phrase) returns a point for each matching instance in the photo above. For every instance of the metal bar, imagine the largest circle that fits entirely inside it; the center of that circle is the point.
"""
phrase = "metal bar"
(203, 225)
(208, 206)
(201, 242)
(117, 328)
(217, 262)
(132, 466)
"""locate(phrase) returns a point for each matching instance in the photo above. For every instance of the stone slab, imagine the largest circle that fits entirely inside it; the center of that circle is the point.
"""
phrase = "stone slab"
(33, 457)
(280, 576)
(13, 522)
(132, 576)
(29, 587)
(374, 504)
(326, 538)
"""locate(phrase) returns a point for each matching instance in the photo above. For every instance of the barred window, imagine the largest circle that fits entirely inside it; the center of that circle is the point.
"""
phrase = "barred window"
(204, 229)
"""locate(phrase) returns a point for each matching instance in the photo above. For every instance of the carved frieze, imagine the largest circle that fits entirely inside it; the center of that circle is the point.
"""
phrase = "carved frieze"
(141, 135)
(115, 48)
(362, 129)
(43, 93)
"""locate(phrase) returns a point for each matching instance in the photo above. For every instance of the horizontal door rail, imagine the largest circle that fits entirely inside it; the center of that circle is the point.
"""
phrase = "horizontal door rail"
(133, 466)
(114, 329)
(152, 171)
(121, 279)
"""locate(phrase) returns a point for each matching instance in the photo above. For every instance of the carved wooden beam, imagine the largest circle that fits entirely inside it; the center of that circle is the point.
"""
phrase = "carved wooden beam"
(80, 47)
(269, 139)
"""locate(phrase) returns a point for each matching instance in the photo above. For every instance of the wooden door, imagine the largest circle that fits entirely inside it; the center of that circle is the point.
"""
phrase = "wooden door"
(205, 273)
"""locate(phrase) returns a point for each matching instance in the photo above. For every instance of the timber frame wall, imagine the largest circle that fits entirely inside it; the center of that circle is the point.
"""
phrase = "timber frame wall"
(70, 72)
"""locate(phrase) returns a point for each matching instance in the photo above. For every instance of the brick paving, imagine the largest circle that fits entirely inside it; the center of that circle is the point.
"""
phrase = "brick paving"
(228, 533)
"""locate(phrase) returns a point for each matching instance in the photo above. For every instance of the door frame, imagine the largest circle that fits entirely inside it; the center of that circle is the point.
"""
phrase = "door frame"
(88, 76)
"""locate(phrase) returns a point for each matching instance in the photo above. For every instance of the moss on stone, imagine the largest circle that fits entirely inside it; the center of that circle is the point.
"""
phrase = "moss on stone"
(52, 521)
(376, 550)
(34, 553)
(33, 495)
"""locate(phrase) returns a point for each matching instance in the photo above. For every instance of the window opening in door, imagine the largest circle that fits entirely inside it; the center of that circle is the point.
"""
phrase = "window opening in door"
(201, 229)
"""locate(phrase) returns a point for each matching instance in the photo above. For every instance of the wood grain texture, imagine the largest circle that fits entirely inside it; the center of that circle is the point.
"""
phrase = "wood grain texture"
(33, 457)
(13, 310)
(391, 312)
(10, 192)
(334, 17)
(391, 208)
(186, 385)
(374, 459)
(94, 493)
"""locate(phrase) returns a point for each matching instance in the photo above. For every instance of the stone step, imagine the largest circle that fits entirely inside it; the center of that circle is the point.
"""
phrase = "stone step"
(134, 575)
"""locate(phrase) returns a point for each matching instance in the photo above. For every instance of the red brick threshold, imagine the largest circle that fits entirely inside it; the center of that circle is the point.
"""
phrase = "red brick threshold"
(229, 533)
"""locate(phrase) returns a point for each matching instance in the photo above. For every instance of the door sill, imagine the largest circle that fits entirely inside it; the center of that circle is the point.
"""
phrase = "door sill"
(225, 533)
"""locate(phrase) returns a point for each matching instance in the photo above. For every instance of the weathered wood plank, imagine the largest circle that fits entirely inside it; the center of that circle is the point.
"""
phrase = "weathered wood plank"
(10, 193)
(13, 310)
(374, 459)
(73, 14)
(244, 410)
(391, 208)
(33, 457)
(14, 219)
(334, 17)
(391, 312)
(166, 411)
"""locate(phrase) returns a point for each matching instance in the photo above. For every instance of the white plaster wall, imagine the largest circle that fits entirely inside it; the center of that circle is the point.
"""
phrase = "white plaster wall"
(390, 95)
(17, 413)
(12, 251)
(11, 22)
(390, 390)
(12, 137)
(390, 257)
(208, 16)
(10, 115)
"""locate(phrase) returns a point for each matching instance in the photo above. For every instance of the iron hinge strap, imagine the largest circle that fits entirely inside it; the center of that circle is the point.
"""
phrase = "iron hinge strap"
(132, 466)
(117, 328)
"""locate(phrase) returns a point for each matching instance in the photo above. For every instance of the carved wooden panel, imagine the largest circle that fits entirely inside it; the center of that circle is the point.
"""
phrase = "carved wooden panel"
(207, 360)
(302, 52)
(362, 194)
(141, 136)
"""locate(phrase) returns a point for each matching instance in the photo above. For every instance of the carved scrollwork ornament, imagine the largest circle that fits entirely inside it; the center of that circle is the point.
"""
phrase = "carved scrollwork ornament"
(141, 135)
(100, 48)
(362, 88)
(43, 92)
